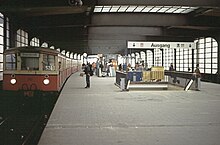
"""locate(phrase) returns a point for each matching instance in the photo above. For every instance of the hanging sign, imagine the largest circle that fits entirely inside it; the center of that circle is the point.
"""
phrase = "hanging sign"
(153, 45)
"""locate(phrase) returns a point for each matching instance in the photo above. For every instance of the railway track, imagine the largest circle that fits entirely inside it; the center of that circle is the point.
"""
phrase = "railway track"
(24, 124)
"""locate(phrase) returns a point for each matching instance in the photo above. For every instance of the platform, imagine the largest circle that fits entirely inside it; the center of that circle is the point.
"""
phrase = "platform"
(105, 115)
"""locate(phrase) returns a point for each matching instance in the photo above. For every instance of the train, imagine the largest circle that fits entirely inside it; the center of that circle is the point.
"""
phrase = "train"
(34, 70)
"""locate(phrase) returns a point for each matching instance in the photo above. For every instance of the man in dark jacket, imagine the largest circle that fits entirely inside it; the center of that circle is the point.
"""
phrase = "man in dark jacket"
(87, 70)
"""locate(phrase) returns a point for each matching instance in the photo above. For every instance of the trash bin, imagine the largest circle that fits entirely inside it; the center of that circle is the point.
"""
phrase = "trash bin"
(122, 83)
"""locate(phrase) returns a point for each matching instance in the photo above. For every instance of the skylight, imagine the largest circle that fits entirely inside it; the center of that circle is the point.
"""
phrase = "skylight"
(144, 9)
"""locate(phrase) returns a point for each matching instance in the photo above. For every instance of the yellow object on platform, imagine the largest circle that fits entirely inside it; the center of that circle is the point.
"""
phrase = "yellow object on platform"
(156, 73)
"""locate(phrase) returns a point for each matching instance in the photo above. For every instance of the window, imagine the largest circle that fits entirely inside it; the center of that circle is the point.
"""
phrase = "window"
(45, 44)
(10, 62)
(207, 53)
(149, 58)
(29, 61)
(35, 42)
(22, 38)
(157, 57)
(184, 59)
(48, 62)
(168, 58)
(1, 44)
(4, 40)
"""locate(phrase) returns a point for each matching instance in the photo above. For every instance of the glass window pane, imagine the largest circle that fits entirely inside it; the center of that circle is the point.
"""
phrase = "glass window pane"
(1, 30)
(202, 40)
(215, 44)
(208, 39)
(215, 65)
(201, 60)
(208, 55)
(48, 62)
(10, 58)
(214, 71)
(1, 40)
(28, 63)
(1, 75)
(208, 50)
(207, 65)
(208, 71)
(10, 61)
(1, 66)
(1, 49)
(1, 58)
(201, 55)
(215, 49)
(208, 44)
(214, 55)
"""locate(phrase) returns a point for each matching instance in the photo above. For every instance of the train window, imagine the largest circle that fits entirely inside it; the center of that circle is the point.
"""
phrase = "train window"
(29, 63)
(48, 62)
(10, 62)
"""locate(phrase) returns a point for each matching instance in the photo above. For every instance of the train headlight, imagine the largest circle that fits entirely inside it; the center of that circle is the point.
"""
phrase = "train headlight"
(13, 81)
(46, 81)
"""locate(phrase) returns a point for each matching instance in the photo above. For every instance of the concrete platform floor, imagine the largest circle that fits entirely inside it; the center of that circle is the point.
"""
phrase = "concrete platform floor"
(103, 115)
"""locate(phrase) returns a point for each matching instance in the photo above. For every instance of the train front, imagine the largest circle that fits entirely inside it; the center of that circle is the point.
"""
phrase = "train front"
(30, 71)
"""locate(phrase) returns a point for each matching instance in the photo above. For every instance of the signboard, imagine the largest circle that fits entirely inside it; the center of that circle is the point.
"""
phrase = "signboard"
(153, 45)
(30, 55)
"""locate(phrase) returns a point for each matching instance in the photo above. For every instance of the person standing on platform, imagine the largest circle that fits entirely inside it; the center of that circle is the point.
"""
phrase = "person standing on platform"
(197, 71)
(197, 75)
(171, 68)
(87, 70)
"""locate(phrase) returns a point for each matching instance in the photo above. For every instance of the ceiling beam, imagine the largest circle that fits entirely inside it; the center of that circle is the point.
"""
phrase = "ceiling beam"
(152, 20)
(140, 19)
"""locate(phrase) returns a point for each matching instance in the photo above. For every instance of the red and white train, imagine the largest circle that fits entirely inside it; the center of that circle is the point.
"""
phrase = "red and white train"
(32, 70)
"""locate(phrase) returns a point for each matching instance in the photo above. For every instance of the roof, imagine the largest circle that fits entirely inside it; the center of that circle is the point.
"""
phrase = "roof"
(79, 28)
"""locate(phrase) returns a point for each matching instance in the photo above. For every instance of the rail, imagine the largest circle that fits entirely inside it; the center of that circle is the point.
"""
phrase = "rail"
(33, 135)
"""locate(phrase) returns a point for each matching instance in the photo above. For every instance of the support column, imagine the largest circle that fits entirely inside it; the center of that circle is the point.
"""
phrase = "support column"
(146, 63)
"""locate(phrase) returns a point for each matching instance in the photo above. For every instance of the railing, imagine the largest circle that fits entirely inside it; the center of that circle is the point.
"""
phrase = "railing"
(120, 75)
(182, 79)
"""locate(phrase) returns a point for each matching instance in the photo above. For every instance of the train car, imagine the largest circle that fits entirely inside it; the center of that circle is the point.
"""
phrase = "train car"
(32, 70)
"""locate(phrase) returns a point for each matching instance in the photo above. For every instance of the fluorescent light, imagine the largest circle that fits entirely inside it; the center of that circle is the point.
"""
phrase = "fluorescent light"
(187, 11)
(106, 8)
(179, 11)
(122, 8)
(131, 8)
(114, 8)
(162, 10)
(147, 9)
(98, 9)
(171, 10)
(139, 8)
(155, 9)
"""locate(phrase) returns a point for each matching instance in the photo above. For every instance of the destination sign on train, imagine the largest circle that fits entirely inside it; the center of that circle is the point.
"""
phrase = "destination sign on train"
(152, 45)
(29, 54)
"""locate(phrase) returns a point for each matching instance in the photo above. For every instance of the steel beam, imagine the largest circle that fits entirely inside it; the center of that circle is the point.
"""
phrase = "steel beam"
(134, 19)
